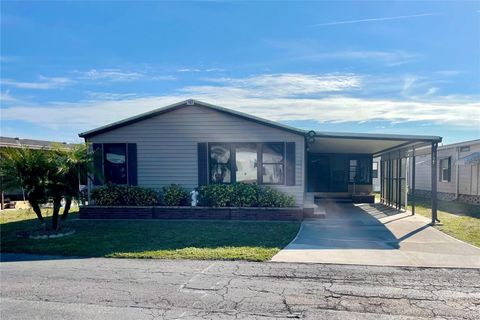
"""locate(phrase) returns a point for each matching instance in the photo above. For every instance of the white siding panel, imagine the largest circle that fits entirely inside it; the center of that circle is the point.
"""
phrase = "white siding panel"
(467, 174)
(167, 144)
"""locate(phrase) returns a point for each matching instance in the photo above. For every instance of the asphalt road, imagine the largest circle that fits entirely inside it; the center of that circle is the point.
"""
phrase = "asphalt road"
(159, 289)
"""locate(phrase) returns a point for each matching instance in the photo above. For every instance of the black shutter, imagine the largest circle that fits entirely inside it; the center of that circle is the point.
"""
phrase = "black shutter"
(132, 164)
(97, 164)
(202, 164)
(290, 163)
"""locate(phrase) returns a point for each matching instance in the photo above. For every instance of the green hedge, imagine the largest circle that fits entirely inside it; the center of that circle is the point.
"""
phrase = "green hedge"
(243, 195)
(174, 195)
(214, 195)
(119, 195)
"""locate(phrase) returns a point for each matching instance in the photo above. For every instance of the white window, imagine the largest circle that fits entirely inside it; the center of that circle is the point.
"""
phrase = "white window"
(445, 169)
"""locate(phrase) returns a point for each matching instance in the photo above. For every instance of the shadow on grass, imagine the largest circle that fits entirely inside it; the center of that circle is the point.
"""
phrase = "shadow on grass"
(228, 240)
(452, 207)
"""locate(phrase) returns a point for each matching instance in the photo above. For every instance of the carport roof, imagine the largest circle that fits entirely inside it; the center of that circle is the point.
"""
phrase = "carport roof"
(367, 143)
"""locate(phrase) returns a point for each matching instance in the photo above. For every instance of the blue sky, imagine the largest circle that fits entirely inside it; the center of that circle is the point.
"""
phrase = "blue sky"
(390, 67)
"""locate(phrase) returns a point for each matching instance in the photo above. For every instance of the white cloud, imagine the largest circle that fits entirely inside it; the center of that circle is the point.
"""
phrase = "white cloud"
(452, 110)
(5, 97)
(110, 95)
(431, 91)
(110, 75)
(287, 84)
(313, 50)
(389, 58)
(118, 75)
(189, 70)
(375, 19)
(43, 83)
(283, 97)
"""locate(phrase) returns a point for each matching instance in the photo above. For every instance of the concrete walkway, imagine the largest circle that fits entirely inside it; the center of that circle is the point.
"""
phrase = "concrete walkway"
(376, 235)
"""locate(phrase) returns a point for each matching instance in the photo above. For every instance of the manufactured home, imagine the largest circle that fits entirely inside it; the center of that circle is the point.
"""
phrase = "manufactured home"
(193, 143)
(458, 169)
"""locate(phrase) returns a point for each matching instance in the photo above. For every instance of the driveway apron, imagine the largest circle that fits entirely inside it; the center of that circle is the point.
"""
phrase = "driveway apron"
(373, 234)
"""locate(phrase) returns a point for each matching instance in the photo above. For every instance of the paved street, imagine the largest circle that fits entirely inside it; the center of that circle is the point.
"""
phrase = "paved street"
(158, 289)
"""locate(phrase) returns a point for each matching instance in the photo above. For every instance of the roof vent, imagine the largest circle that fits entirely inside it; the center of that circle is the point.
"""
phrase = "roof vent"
(190, 102)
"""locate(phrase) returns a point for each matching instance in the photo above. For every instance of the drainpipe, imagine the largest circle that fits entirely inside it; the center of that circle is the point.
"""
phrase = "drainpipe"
(457, 175)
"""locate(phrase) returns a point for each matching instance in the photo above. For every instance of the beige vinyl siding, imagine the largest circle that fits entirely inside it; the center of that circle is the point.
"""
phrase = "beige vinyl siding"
(167, 144)
(468, 174)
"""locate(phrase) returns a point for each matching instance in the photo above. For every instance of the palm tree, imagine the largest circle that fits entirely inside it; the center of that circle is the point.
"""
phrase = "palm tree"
(29, 169)
(55, 173)
(72, 164)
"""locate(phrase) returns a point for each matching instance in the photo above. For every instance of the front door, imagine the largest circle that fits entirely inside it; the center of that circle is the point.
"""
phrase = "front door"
(327, 173)
(338, 174)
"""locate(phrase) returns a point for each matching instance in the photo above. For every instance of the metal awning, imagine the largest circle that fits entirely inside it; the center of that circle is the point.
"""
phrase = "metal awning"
(472, 158)
(365, 143)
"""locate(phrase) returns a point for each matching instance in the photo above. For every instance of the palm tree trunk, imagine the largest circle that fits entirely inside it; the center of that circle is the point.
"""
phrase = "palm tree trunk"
(68, 203)
(56, 208)
(33, 200)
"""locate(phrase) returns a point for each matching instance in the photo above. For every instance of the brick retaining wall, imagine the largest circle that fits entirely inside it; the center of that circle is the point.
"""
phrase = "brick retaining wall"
(200, 213)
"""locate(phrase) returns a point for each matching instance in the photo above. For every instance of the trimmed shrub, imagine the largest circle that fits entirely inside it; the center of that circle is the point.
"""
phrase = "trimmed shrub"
(174, 195)
(119, 195)
(243, 195)
(272, 198)
(216, 195)
(139, 196)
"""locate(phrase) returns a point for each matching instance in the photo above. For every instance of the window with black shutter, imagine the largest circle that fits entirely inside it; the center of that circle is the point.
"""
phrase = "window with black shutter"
(115, 163)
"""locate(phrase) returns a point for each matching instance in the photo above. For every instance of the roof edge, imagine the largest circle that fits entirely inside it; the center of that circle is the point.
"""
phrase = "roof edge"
(374, 136)
(182, 104)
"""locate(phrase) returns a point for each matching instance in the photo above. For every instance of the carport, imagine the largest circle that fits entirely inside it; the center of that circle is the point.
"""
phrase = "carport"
(341, 163)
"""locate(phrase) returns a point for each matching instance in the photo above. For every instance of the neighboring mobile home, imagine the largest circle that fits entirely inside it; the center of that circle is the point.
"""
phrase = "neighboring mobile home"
(193, 143)
(458, 168)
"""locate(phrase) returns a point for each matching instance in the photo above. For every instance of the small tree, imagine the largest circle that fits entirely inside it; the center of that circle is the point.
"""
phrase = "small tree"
(28, 168)
(71, 164)
(54, 173)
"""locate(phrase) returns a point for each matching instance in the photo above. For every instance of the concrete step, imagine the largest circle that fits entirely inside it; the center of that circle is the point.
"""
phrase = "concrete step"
(335, 199)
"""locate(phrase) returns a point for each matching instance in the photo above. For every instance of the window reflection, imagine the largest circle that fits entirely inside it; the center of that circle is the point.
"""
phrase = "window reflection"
(272, 163)
(246, 162)
(220, 171)
(115, 163)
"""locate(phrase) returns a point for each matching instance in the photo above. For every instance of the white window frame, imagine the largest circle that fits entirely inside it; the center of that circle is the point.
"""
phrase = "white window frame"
(448, 167)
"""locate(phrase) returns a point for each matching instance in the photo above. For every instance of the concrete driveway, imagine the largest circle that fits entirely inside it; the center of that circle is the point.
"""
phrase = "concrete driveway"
(376, 235)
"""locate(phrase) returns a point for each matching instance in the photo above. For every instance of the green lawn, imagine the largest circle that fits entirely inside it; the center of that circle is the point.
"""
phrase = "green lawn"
(168, 239)
(460, 220)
